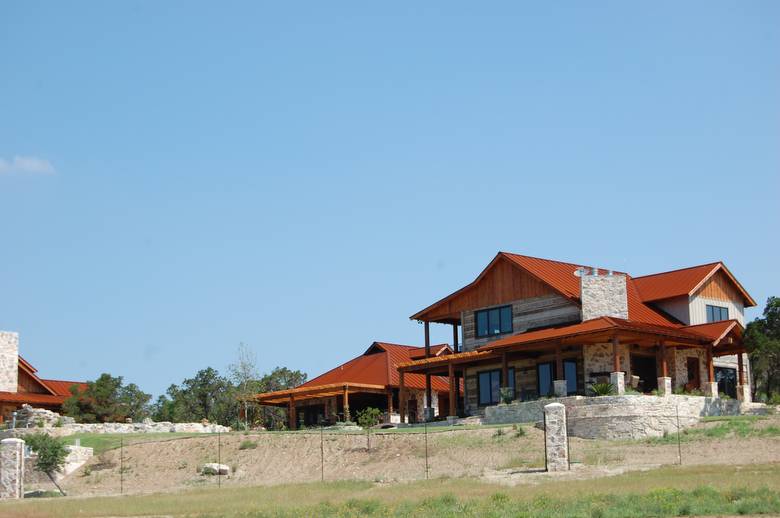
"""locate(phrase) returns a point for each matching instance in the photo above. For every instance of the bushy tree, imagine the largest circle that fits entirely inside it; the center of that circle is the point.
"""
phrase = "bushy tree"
(244, 375)
(107, 399)
(51, 455)
(207, 395)
(762, 339)
(281, 378)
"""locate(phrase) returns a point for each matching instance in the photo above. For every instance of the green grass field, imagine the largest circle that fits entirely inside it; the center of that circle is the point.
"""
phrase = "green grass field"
(699, 490)
(743, 426)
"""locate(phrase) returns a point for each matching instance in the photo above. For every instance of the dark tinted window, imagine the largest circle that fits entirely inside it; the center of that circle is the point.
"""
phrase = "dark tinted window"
(494, 321)
(570, 368)
(490, 385)
(545, 375)
(717, 313)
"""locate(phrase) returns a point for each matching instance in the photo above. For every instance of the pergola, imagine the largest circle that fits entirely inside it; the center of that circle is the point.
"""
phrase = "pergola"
(717, 339)
(288, 398)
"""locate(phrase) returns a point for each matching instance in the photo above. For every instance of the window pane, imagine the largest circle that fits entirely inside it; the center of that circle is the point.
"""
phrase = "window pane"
(506, 319)
(494, 326)
(495, 384)
(482, 323)
(545, 379)
(570, 369)
(484, 388)
(511, 374)
(724, 313)
(710, 314)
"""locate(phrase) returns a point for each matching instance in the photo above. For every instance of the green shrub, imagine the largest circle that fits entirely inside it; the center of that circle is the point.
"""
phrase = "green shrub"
(369, 417)
(774, 399)
(602, 389)
(247, 445)
(506, 394)
(499, 432)
(51, 454)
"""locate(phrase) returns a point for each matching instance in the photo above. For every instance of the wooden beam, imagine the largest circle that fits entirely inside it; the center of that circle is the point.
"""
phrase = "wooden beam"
(615, 354)
(453, 393)
(710, 365)
(291, 417)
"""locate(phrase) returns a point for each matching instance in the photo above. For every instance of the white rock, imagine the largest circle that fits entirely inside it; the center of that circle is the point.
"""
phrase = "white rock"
(212, 468)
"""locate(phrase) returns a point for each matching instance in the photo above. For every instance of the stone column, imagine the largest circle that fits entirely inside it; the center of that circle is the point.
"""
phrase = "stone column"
(664, 386)
(9, 361)
(560, 388)
(743, 393)
(711, 389)
(555, 438)
(618, 380)
(12, 468)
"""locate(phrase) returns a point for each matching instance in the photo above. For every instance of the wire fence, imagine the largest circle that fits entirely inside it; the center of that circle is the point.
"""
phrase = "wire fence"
(411, 453)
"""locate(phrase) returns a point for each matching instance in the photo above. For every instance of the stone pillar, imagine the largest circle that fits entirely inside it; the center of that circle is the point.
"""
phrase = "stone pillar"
(711, 389)
(9, 361)
(618, 380)
(664, 386)
(555, 438)
(12, 468)
(560, 388)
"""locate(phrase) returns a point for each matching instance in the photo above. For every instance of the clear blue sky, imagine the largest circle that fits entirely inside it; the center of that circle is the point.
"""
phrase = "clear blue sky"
(176, 178)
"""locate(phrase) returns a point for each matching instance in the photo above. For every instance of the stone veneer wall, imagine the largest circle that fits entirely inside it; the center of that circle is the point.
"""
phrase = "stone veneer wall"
(598, 358)
(603, 296)
(680, 375)
(9, 361)
(618, 417)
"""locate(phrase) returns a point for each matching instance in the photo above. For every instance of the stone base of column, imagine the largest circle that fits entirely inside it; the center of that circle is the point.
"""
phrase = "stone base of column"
(559, 386)
(664, 386)
(429, 414)
(12, 468)
(711, 389)
(618, 380)
(743, 393)
(555, 437)
(451, 419)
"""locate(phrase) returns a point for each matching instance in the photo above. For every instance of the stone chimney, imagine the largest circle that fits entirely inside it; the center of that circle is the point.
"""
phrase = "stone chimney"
(9, 361)
(602, 295)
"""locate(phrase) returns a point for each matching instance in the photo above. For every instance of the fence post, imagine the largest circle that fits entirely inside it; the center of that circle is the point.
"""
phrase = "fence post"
(121, 465)
(322, 454)
(12, 468)
(679, 445)
(426, 450)
(555, 438)
(219, 459)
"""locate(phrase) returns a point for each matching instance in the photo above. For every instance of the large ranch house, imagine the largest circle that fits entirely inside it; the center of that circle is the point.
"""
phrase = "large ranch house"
(526, 328)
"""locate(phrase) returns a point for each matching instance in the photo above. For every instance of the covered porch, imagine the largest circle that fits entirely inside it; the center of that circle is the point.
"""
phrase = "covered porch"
(568, 360)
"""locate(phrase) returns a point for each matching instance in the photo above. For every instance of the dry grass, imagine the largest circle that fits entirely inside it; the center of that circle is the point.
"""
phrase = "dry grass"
(342, 498)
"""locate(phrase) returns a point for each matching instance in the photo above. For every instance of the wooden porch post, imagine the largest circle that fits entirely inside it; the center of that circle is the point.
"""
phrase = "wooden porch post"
(428, 391)
(401, 397)
(740, 370)
(615, 354)
(560, 373)
(664, 366)
(347, 417)
(453, 393)
(504, 370)
(291, 417)
(389, 402)
(455, 338)
(710, 366)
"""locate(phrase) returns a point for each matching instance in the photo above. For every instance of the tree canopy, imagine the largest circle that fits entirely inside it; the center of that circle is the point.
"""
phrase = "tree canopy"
(762, 339)
(107, 399)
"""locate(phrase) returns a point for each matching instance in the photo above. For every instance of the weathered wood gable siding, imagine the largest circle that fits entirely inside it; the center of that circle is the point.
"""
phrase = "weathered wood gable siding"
(28, 384)
(528, 313)
(501, 284)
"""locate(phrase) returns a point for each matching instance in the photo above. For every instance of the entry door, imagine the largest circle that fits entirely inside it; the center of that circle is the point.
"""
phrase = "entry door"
(694, 380)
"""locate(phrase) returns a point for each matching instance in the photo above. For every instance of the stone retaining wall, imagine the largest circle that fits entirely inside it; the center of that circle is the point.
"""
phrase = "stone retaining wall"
(618, 417)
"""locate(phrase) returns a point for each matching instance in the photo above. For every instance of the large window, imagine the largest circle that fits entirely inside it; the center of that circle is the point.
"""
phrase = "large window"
(494, 321)
(717, 313)
(727, 381)
(570, 369)
(545, 374)
(489, 385)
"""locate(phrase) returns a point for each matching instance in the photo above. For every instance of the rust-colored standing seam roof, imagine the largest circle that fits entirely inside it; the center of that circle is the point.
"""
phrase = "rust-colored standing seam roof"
(32, 398)
(592, 326)
(62, 387)
(716, 331)
(379, 366)
(560, 277)
(684, 282)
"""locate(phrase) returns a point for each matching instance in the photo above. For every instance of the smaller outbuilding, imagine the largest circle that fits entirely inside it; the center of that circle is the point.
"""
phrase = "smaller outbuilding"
(370, 380)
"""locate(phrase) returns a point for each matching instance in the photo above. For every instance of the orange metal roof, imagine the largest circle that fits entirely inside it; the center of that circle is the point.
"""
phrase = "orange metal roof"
(715, 331)
(62, 388)
(684, 282)
(31, 398)
(379, 366)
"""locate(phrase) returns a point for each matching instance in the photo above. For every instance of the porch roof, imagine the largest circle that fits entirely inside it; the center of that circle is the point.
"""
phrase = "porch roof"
(283, 397)
(725, 336)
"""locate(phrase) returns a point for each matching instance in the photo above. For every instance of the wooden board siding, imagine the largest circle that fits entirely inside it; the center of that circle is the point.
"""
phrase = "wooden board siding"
(678, 307)
(719, 287)
(28, 384)
(501, 284)
(530, 313)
